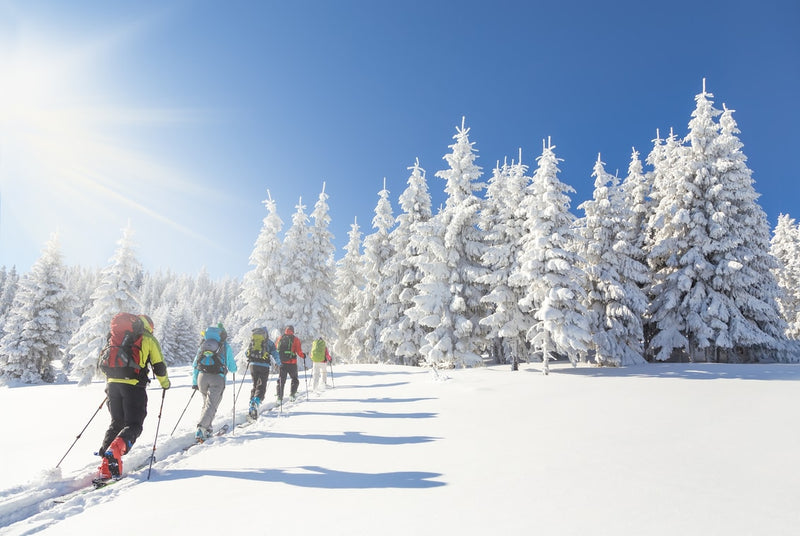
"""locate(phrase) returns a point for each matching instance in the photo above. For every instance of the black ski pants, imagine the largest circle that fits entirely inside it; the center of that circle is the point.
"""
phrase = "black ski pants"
(127, 405)
(288, 369)
(260, 375)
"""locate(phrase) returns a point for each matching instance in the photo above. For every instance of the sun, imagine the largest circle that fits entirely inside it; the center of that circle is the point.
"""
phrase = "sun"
(64, 137)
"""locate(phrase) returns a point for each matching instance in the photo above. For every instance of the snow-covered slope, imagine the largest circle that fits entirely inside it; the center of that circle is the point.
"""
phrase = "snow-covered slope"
(653, 449)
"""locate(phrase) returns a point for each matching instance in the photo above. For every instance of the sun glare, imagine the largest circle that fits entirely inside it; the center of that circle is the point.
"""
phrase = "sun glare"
(67, 147)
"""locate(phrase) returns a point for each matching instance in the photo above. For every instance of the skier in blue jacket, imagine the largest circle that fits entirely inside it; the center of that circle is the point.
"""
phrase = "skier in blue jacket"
(212, 363)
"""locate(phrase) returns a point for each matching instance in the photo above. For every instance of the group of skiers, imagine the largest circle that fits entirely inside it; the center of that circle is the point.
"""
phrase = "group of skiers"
(131, 348)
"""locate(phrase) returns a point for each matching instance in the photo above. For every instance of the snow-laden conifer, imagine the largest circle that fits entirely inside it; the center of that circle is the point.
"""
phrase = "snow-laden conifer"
(550, 270)
(635, 191)
(7, 292)
(663, 241)
(503, 221)
(713, 296)
(448, 298)
(744, 266)
(39, 322)
(785, 247)
(350, 296)
(614, 300)
(178, 331)
(293, 282)
(260, 300)
(378, 249)
(400, 334)
(320, 261)
(116, 292)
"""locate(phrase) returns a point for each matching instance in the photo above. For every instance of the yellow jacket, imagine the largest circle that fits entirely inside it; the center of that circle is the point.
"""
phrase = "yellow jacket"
(150, 353)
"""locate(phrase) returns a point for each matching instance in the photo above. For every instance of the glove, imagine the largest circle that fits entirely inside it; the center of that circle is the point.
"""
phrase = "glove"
(166, 384)
(194, 387)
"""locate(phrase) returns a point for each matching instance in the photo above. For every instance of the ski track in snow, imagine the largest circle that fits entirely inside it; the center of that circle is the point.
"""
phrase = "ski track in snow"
(32, 508)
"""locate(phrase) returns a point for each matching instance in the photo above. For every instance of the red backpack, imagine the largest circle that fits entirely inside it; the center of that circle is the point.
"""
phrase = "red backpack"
(120, 357)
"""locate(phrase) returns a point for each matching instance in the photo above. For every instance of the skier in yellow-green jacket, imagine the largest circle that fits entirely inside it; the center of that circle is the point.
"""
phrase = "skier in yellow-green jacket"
(126, 389)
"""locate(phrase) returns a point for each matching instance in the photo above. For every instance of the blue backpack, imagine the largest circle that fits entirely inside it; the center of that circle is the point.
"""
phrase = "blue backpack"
(209, 358)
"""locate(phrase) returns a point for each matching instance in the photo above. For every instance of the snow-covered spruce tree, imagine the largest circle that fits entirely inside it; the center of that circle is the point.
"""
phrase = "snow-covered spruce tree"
(178, 331)
(615, 302)
(321, 265)
(665, 327)
(550, 270)
(635, 192)
(785, 248)
(448, 298)
(503, 222)
(39, 322)
(117, 292)
(682, 289)
(293, 287)
(713, 231)
(378, 249)
(7, 292)
(350, 294)
(401, 335)
(259, 297)
(744, 274)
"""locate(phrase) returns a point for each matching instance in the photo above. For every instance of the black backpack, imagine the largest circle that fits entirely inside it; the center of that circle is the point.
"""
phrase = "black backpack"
(285, 347)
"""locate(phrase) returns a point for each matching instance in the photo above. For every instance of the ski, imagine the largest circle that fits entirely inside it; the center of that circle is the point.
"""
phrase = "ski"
(102, 482)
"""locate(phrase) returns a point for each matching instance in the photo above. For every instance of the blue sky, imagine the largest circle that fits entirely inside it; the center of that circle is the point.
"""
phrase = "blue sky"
(179, 116)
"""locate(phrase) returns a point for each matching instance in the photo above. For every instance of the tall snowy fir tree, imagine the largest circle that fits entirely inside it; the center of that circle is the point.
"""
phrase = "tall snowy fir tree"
(39, 321)
(503, 220)
(744, 273)
(785, 247)
(321, 264)
(118, 291)
(708, 231)
(449, 296)
(293, 286)
(350, 294)
(635, 192)
(378, 250)
(400, 335)
(550, 270)
(260, 301)
(178, 331)
(615, 303)
(7, 292)
(665, 330)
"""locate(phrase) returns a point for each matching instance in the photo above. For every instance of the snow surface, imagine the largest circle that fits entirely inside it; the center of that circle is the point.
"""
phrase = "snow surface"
(652, 449)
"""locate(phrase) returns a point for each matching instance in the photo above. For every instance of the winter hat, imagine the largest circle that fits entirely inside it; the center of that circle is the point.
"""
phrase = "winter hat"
(148, 323)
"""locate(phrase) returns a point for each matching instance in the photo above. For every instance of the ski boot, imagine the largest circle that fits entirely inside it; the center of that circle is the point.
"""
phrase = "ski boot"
(113, 456)
(254, 404)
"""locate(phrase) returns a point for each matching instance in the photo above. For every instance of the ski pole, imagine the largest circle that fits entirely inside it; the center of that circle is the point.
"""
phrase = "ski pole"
(242, 382)
(160, 409)
(184, 411)
(82, 431)
(233, 428)
(305, 375)
(333, 383)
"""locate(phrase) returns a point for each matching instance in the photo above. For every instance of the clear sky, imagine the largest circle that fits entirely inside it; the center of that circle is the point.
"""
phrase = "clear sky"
(179, 116)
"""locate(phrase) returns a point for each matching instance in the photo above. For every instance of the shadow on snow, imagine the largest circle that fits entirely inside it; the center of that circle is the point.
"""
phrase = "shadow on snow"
(318, 477)
(689, 371)
(370, 414)
(356, 437)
